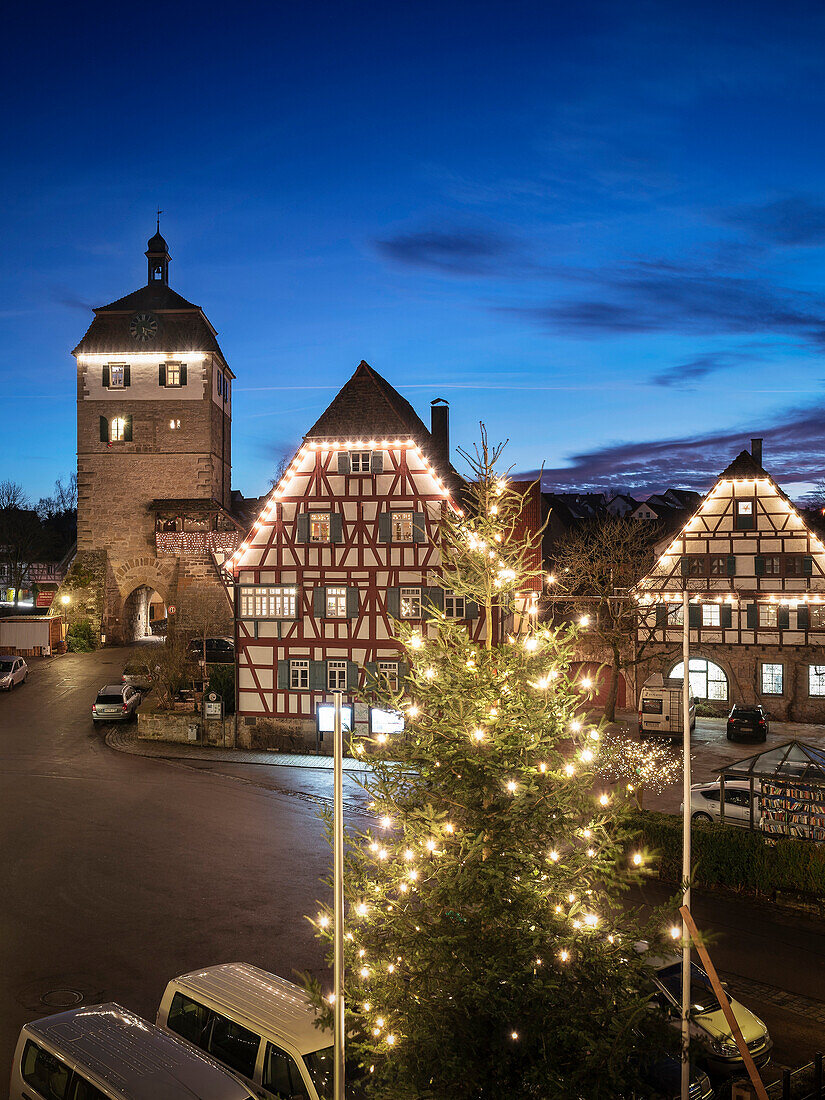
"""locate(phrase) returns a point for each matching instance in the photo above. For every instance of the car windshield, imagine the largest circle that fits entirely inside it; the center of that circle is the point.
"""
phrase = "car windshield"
(745, 713)
(109, 698)
(5, 666)
(702, 997)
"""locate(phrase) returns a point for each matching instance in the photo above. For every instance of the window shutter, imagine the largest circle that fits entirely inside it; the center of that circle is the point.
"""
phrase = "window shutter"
(127, 375)
(377, 462)
(419, 527)
(783, 618)
(803, 619)
(104, 430)
(183, 374)
(283, 675)
(352, 603)
(726, 615)
(731, 565)
(106, 376)
(336, 527)
(694, 614)
(319, 602)
(318, 675)
(685, 565)
(127, 428)
(434, 596)
(470, 609)
(807, 565)
(344, 464)
(162, 374)
(661, 614)
(759, 566)
(352, 675)
(302, 527)
(394, 602)
(384, 526)
(403, 673)
(371, 670)
(753, 617)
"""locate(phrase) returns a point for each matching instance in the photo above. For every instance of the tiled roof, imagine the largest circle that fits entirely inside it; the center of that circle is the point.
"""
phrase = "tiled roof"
(744, 465)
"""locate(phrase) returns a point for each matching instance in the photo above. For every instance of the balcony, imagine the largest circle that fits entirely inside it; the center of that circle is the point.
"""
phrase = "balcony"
(197, 542)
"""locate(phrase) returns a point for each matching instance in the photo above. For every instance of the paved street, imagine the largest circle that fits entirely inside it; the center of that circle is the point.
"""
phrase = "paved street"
(124, 870)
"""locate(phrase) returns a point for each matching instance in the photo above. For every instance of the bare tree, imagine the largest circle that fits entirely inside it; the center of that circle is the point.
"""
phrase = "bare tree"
(21, 536)
(170, 669)
(12, 495)
(203, 613)
(63, 500)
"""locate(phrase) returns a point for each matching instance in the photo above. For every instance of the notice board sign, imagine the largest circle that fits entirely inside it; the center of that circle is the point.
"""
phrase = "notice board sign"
(45, 598)
(212, 705)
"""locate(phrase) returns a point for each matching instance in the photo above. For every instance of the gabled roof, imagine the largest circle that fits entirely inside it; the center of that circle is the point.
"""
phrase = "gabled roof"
(744, 465)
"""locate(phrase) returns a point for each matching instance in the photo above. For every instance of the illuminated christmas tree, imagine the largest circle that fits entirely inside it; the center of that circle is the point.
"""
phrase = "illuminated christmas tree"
(488, 952)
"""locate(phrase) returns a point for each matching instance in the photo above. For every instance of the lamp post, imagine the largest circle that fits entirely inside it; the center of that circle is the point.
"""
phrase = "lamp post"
(338, 902)
(65, 599)
(686, 694)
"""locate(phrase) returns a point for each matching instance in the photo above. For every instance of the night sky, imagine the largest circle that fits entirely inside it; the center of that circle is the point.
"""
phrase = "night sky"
(597, 227)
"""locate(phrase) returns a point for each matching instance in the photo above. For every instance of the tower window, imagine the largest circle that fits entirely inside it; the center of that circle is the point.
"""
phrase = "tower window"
(157, 271)
(117, 429)
(173, 374)
(174, 424)
(117, 376)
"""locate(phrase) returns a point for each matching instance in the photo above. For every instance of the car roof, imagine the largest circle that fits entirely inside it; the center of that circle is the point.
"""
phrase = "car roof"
(262, 1000)
(115, 689)
(134, 1057)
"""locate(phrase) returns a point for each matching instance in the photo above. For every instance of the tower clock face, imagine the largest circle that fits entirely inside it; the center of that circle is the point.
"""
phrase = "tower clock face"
(143, 326)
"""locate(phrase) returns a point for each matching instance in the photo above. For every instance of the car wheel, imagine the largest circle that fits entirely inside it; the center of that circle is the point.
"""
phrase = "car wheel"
(11, 685)
(701, 818)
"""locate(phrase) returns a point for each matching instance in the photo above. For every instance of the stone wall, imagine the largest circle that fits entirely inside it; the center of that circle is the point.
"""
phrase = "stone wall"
(177, 727)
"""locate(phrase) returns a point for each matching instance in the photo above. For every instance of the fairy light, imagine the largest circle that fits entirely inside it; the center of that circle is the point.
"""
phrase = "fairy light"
(478, 734)
(554, 856)
(386, 822)
(604, 799)
(587, 683)
(413, 711)
(569, 770)
(584, 620)
(361, 909)
(564, 954)
(587, 756)
(429, 673)
(637, 858)
(416, 641)
(512, 786)
(675, 932)
(514, 1036)
(323, 920)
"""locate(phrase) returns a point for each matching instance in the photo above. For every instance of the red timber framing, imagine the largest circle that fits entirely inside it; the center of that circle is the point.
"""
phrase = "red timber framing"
(320, 577)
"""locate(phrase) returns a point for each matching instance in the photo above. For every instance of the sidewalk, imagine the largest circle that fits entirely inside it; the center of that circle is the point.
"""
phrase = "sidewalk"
(126, 740)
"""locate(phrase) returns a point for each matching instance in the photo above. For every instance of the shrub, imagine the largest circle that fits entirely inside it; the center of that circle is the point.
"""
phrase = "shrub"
(81, 637)
(222, 680)
(266, 735)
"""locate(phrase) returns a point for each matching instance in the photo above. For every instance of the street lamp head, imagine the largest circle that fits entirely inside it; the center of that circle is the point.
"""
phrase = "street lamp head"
(65, 600)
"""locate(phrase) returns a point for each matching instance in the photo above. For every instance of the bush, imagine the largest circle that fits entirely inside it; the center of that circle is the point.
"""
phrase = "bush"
(81, 637)
(222, 680)
(266, 735)
(741, 859)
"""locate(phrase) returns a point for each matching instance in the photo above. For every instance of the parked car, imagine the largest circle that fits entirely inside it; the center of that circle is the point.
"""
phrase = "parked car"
(218, 650)
(105, 1052)
(709, 1030)
(13, 671)
(137, 672)
(664, 1078)
(706, 802)
(116, 703)
(746, 723)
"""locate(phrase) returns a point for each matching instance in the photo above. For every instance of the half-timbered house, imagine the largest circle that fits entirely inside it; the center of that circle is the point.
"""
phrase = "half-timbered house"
(756, 577)
(345, 546)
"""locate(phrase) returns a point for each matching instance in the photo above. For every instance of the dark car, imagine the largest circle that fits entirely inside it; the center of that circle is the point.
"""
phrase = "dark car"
(664, 1079)
(747, 724)
(218, 650)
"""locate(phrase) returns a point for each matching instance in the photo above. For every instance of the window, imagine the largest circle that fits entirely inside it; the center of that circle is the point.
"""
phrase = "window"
(745, 519)
(234, 1045)
(675, 615)
(281, 1076)
(771, 567)
(83, 1090)
(794, 566)
(337, 675)
(174, 424)
(388, 671)
(707, 680)
(117, 429)
(816, 679)
(173, 373)
(454, 606)
(279, 602)
(402, 526)
(652, 706)
(336, 603)
(817, 617)
(772, 679)
(46, 1074)
(696, 566)
(360, 462)
(299, 675)
(117, 376)
(410, 603)
(188, 1019)
(319, 529)
(768, 616)
(718, 565)
(711, 614)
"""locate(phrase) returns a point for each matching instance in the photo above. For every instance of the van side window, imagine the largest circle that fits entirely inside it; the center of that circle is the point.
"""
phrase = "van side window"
(83, 1090)
(189, 1020)
(47, 1075)
(281, 1076)
(234, 1045)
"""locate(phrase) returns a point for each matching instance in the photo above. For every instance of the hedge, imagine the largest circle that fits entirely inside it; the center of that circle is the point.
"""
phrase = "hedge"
(728, 855)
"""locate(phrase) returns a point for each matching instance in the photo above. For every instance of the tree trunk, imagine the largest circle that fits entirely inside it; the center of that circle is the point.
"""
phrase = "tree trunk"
(610, 705)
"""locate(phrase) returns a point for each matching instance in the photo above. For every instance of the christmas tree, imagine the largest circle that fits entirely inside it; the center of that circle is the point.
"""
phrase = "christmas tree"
(488, 952)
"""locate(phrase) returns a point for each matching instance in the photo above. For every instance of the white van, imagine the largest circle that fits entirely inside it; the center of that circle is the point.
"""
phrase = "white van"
(260, 1025)
(660, 707)
(106, 1052)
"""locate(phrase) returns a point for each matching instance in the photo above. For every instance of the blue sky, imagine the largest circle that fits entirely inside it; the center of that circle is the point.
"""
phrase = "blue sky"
(597, 227)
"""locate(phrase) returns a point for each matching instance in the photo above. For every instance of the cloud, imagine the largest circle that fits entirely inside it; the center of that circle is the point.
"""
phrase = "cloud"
(795, 220)
(683, 375)
(454, 252)
(71, 301)
(794, 450)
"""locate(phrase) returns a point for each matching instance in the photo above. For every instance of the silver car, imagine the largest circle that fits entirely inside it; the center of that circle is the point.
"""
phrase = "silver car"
(706, 803)
(13, 671)
(116, 703)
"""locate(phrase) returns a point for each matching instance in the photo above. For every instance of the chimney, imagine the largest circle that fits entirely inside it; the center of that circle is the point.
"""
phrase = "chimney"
(756, 450)
(440, 431)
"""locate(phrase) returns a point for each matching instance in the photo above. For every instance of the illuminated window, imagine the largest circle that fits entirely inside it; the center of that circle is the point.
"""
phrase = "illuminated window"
(174, 425)
(388, 671)
(298, 675)
(768, 615)
(772, 678)
(772, 565)
(711, 614)
(402, 526)
(173, 374)
(816, 679)
(454, 606)
(707, 680)
(117, 376)
(745, 518)
(319, 527)
(359, 462)
(336, 603)
(675, 615)
(117, 429)
(337, 675)
(410, 603)
(279, 602)
(817, 617)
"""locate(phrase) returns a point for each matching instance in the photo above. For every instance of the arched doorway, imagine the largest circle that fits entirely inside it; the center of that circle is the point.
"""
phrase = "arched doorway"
(143, 608)
(600, 678)
(707, 679)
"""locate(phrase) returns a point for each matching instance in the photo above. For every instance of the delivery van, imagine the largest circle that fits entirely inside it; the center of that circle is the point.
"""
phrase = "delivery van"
(660, 708)
(105, 1052)
(259, 1025)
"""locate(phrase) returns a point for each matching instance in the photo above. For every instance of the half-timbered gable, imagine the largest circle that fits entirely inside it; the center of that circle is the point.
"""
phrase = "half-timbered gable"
(756, 577)
(346, 545)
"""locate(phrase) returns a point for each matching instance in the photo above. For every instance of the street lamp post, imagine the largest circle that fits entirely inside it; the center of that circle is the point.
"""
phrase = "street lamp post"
(338, 882)
(686, 695)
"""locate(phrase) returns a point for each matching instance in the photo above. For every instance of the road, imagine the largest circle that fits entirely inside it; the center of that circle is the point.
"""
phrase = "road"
(123, 871)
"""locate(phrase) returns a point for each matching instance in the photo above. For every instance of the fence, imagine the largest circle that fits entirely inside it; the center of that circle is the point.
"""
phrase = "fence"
(803, 1083)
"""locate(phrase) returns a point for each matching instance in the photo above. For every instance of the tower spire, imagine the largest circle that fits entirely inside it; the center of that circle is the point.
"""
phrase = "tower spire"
(157, 253)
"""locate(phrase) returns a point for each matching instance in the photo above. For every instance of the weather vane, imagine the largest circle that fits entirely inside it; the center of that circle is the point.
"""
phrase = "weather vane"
(159, 214)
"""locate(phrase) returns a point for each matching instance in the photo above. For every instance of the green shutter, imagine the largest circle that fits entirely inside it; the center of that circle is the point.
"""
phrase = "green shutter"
(759, 566)
(685, 566)
(162, 374)
(302, 527)
(377, 462)
(127, 375)
(783, 618)
(394, 602)
(283, 675)
(731, 565)
(104, 430)
(319, 602)
(352, 675)
(694, 615)
(344, 465)
(106, 376)
(434, 596)
(807, 565)
(661, 615)
(470, 609)
(403, 673)
(752, 616)
(127, 428)
(419, 532)
(384, 526)
(318, 675)
(352, 603)
(336, 527)
(726, 615)
(183, 374)
(803, 619)
(371, 670)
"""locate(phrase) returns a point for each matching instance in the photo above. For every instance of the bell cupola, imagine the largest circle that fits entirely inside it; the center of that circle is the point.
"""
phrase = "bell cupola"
(157, 253)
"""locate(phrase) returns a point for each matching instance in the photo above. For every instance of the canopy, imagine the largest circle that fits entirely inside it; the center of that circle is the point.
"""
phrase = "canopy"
(792, 761)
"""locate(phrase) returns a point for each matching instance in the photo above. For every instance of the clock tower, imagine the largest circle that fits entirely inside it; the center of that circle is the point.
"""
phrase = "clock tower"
(154, 409)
